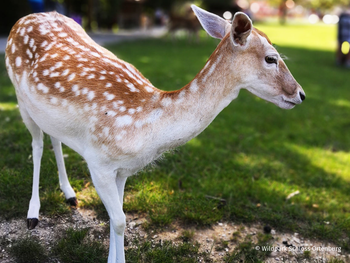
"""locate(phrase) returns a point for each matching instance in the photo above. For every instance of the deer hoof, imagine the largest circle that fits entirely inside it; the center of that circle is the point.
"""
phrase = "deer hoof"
(72, 201)
(32, 223)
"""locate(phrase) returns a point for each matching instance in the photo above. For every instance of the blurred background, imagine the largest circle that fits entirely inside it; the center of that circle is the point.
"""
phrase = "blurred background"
(128, 14)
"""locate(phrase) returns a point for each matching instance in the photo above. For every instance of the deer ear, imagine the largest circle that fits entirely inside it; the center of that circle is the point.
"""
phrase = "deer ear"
(241, 29)
(214, 25)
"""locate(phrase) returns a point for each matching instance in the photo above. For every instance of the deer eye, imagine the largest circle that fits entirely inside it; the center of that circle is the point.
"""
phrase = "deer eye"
(271, 60)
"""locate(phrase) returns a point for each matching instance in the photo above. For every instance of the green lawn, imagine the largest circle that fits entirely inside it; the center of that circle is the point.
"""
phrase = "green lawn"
(253, 155)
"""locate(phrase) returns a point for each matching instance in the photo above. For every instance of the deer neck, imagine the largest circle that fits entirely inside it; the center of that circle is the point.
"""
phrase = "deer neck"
(188, 111)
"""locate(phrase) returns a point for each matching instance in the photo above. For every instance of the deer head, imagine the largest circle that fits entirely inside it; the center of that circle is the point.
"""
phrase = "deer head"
(261, 69)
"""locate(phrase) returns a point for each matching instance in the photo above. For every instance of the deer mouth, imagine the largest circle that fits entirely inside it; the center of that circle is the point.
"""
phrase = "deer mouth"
(287, 104)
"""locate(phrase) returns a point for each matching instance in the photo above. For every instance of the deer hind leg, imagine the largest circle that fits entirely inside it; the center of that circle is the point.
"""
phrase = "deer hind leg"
(63, 178)
(110, 188)
(37, 148)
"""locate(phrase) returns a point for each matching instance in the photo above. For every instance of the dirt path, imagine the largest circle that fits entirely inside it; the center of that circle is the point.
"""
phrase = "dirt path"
(291, 245)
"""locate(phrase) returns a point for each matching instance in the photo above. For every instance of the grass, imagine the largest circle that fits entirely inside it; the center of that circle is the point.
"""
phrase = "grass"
(74, 247)
(29, 250)
(247, 250)
(166, 252)
(253, 153)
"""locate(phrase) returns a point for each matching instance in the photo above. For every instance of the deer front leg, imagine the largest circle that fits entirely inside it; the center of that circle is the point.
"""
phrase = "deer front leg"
(110, 188)
(37, 152)
(64, 183)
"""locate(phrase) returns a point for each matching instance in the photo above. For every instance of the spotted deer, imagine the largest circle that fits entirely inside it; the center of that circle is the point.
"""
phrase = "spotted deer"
(82, 95)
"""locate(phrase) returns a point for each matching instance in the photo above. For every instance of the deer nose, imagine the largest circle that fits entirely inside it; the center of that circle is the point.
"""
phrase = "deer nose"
(302, 96)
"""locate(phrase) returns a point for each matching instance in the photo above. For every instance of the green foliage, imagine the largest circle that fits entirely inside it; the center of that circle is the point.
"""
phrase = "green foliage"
(250, 252)
(187, 235)
(163, 252)
(28, 250)
(75, 247)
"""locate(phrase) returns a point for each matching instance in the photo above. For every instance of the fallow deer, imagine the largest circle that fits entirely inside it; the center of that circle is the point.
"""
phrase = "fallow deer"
(80, 94)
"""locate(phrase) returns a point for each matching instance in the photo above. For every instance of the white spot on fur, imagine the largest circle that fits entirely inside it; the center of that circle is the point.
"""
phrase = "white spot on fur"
(108, 85)
(109, 96)
(43, 88)
(58, 65)
(54, 74)
(132, 87)
(18, 61)
(29, 29)
(84, 91)
(62, 34)
(91, 95)
(46, 72)
(25, 39)
(95, 54)
(43, 58)
(49, 46)
(13, 48)
(44, 44)
(111, 113)
(65, 72)
(71, 76)
(75, 88)
(31, 42)
(91, 76)
(123, 120)
(43, 30)
(66, 57)
(148, 89)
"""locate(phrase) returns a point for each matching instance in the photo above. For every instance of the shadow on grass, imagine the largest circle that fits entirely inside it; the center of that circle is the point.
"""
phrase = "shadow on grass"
(253, 156)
